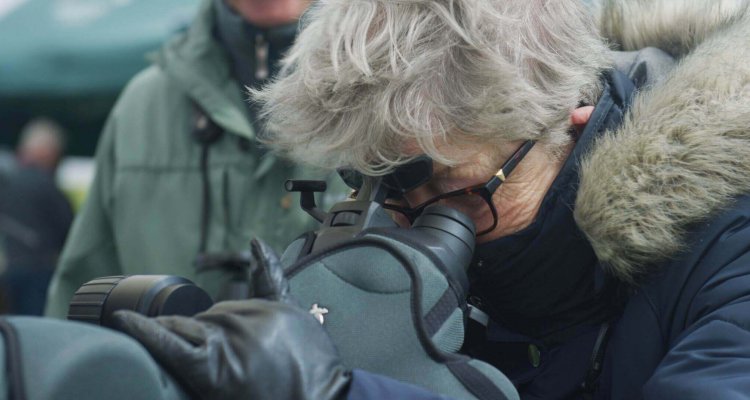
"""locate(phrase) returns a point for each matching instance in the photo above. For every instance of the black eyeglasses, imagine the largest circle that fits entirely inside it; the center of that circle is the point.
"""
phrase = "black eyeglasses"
(474, 201)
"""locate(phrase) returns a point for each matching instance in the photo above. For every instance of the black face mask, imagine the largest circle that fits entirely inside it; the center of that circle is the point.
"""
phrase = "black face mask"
(541, 280)
(546, 279)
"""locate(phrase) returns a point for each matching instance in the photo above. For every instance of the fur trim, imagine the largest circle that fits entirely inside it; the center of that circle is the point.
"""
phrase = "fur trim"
(676, 27)
(682, 154)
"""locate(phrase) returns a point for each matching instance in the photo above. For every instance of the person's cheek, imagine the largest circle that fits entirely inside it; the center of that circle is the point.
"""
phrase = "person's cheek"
(400, 219)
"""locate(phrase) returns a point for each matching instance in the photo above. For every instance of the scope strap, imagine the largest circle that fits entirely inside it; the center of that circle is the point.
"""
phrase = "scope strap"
(589, 385)
(13, 365)
(309, 240)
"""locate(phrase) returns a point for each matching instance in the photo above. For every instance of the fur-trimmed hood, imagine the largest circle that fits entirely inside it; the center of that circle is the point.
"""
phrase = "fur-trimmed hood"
(683, 152)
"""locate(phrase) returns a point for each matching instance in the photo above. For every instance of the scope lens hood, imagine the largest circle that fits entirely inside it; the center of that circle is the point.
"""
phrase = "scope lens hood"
(150, 295)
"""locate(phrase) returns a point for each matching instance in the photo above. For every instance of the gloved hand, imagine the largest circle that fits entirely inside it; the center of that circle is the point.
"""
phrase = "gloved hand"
(267, 274)
(253, 349)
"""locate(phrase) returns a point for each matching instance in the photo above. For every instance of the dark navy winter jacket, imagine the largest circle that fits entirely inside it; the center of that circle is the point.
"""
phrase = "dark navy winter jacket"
(686, 334)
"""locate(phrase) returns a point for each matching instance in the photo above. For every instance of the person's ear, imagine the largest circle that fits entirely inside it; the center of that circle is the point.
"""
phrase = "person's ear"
(580, 117)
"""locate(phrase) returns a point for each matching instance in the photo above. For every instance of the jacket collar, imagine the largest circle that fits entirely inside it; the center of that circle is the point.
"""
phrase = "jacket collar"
(544, 279)
(200, 67)
(681, 156)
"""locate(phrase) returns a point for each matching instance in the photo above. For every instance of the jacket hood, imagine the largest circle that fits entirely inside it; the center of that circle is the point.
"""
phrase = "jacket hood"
(683, 151)
(196, 62)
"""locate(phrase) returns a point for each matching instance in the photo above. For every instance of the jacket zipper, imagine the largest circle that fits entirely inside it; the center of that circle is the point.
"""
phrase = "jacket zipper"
(262, 70)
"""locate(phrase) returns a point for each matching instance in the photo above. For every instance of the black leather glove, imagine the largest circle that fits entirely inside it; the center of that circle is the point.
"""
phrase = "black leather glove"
(267, 274)
(253, 349)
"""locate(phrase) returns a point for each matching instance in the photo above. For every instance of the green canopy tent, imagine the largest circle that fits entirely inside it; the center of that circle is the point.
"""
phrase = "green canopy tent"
(68, 59)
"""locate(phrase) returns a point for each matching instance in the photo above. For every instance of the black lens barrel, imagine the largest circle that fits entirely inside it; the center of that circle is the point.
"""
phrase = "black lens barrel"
(451, 236)
(150, 295)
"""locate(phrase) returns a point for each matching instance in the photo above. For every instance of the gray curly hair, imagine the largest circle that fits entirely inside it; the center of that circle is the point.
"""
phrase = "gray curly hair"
(365, 77)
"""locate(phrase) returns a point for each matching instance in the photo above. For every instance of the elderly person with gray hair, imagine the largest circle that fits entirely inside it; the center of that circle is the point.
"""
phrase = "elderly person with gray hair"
(614, 261)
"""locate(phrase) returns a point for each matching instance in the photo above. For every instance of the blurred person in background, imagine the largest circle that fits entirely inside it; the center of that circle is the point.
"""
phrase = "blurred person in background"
(34, 217)
(181, 183)
(7, 160)
(42, 145)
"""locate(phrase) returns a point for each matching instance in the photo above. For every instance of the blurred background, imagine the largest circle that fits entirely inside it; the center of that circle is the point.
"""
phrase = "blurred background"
(67, 60)
(62, 65)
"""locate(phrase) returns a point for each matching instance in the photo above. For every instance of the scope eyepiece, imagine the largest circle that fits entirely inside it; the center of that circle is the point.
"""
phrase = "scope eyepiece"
(450, 235)
(450, 221)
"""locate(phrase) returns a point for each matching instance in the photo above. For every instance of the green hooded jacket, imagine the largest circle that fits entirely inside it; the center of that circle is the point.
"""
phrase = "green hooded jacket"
(143, 212)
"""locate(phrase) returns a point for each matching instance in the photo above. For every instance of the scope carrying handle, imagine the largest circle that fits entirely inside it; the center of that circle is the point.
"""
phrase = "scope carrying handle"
(346, 219)
(307, 190)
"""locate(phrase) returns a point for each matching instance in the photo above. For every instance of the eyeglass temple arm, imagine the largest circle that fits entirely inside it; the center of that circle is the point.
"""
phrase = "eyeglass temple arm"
(514, 160)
